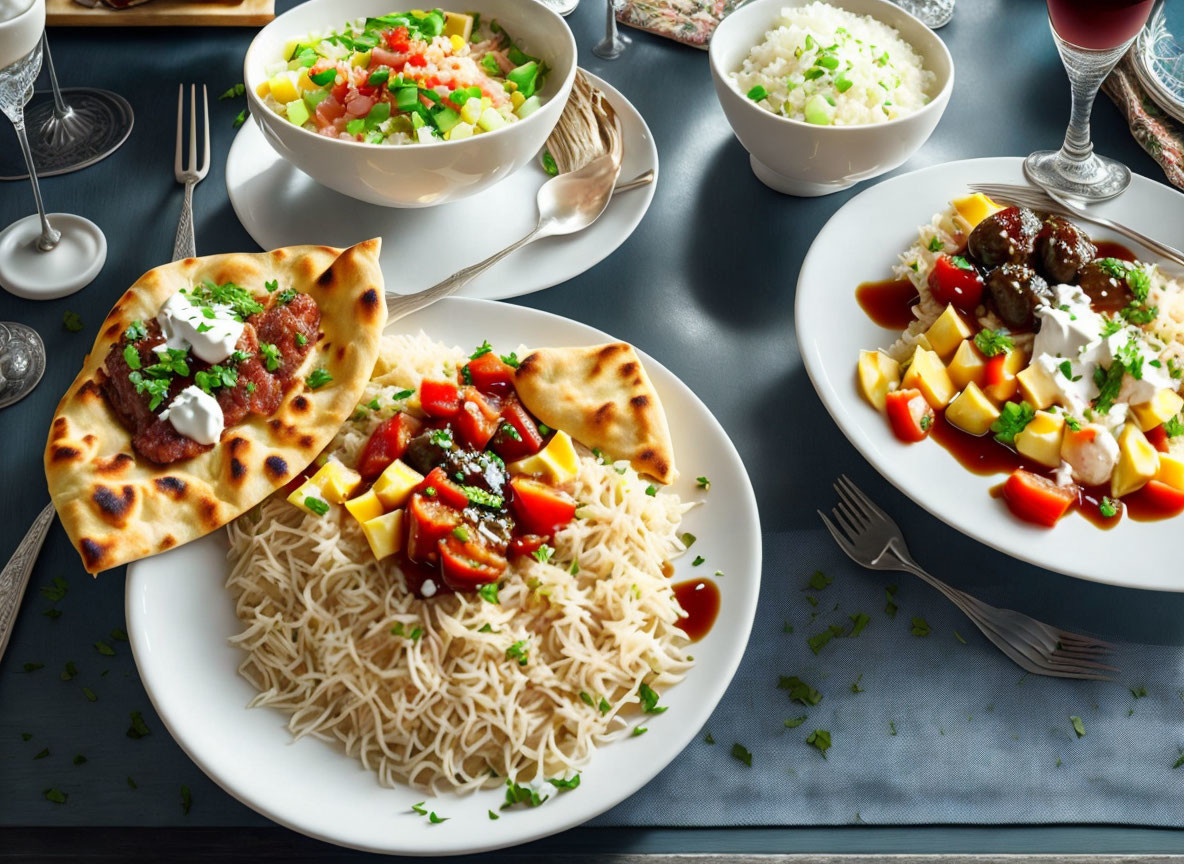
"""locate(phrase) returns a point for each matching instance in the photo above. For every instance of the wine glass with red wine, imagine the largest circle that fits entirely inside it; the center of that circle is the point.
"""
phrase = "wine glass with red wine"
(1091, 36)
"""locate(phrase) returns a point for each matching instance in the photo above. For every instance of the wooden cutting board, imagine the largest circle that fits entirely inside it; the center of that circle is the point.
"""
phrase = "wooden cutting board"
(162, 13)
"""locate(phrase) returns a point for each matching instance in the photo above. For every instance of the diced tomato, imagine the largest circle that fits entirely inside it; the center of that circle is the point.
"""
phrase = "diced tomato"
(538, 507)
(428, 522)
(439, 398)
(339, 92)
(466, 566)
(909, 414)
(387, 444)
(417, 60)
(397, 39)
(490, 374)
(951, 283)
(519, 435)
(430, 83)
(1158, 438)
(446, 492)
(1163, 499)
(1037, 499)
(525, 544)
(477, 420)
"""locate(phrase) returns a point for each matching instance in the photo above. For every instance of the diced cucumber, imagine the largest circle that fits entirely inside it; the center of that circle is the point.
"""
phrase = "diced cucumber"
(491, 120)
(817, 110)
(406, 98)
(313, 98)
(528, 107)
(355, 126)
(297, 112)
(445, 118)
(470, 112)
(378, 114)
(461, 130)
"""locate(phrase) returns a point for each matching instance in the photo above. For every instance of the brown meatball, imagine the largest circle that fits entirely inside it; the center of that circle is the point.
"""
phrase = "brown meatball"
(1107, 292)
(1016, 291)
(1062, 249)
(1006, 237)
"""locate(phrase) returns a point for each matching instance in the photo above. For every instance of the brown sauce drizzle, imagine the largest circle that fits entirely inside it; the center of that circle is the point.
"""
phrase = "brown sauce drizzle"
(889, 303)
(700, 599)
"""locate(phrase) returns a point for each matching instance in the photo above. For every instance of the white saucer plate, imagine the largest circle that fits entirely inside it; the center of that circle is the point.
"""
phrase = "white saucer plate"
(180, 617)
(281, 206)
(860, 244)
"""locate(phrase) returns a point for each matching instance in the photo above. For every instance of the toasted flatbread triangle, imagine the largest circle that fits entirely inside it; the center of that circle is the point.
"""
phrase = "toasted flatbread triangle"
(602, 397)
(117, 507)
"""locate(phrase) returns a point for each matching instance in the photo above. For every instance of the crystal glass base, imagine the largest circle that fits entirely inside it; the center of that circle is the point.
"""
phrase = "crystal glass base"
(610, 50)
(1094, 179)
(71, 265)
(933, 13)
(97, 124)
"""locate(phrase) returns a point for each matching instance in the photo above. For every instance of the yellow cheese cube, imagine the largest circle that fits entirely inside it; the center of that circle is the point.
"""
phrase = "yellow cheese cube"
(385, 534)
(878, 374)
(308, 490)
(971, 411)
(283, 89)
(366, 506)
(975, 208)
(336, 481)
(1163, 406)
(396, 484)
(1138, 462)
(457, 24)
(947, 333)
(1040, 440)
(557, 461)
(968, 365)
(1036, 387)
(928, 374)
(1171, 471)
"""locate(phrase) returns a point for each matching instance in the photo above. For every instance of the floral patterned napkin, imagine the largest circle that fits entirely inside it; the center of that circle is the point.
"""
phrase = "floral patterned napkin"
(1157, 133)
(688, 21)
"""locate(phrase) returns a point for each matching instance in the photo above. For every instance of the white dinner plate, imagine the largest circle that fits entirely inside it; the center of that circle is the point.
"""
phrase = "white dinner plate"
(280, 205)
(860, 243)
(180, 617)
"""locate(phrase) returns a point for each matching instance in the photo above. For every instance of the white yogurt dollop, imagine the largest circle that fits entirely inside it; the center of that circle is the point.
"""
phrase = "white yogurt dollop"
(196, 414)
(210, 331)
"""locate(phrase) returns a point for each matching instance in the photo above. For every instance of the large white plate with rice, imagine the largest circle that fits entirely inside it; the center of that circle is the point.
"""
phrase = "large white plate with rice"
(181, 618)
(880, 224)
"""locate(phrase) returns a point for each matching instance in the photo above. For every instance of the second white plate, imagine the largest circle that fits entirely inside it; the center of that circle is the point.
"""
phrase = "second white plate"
(860, 244)
(280, 205)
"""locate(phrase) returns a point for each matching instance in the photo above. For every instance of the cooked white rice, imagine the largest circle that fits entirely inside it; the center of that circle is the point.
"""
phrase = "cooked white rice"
(825, 65)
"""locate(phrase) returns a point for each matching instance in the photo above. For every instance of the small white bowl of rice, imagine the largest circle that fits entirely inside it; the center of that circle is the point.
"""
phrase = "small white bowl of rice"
(824, 95)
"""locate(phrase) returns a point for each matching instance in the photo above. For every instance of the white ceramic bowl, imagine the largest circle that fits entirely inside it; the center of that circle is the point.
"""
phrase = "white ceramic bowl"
(800, 158)
(415, 175)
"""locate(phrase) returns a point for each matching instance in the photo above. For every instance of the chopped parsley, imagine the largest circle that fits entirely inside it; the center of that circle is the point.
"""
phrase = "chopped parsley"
(920, 627)
(135, 331)
(993, 342)
(170, 362)
(139, 728)
(518, 651)
(516, 794)
(543, 553)
(482, 349)
(316, 505)
(1173, 427)
(699, 559)
(57, 796)
(419, 808)
(511, 359)
(488, 592)
(819, 739)
(33, 667)
(855, 688)
(1078, 726)
(649, 700)
(639, 730)
(56, 590)
(708, 739)
(799, 690)
(960, 262)
(510, 432)
(651, 490)
(819, 639)
(703, 483)
(69, 672)
(563, 785)
(482, 497)
(72, 321)
(79, 759)
(794, 722)
(104, 649)
(1108, 507)
(688, 539)
(1014, 417)
(741, 754)
(958, 636)
(819, 580)
(272, 286)
(890, 606)
(493, 815)
(402, 395)
(860, 620)
(236, 297)
(301, 340)
(233, 92)
(935, 244)
(442, 438)
(1110, 326)
(318, 378)
(285, 297)
(271, 356)
(216, 376)
(1139, 692)
(436, 820)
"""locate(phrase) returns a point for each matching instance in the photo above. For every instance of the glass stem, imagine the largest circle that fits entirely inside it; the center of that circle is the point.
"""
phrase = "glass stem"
(1078, 147)
(49, 235)
(60, 108)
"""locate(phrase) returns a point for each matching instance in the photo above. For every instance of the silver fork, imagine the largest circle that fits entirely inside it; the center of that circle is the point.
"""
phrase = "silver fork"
(185, 246)
(872, 539)
(1040, 199)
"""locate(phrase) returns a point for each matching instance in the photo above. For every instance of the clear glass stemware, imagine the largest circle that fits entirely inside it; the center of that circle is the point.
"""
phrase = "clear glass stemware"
(613, 44)
(1091, 36)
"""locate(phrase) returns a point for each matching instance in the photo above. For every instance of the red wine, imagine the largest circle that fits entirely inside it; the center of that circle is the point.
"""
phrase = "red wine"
(1098, 24)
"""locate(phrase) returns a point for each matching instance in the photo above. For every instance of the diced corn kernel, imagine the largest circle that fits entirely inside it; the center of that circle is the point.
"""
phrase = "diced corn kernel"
(1138, 462)
(1163, 406)
(947, 333)
(385, 534)
(307, 490)
(517, 99)
(968, 365)
(263, 89)
(971, 411)
(927, 374)
(457, 43)
(1037, 388)
(396, 484)
(337, 481)
(1040, 440)
(557, 461)
(366, 506)
(878, 374)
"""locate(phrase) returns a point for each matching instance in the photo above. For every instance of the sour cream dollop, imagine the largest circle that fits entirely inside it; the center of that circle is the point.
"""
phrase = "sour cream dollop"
(211, 332)
(196, 414)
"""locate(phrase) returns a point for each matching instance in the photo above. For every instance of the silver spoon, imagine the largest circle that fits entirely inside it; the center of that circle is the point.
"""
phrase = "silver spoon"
(22, 361)
(567, 204)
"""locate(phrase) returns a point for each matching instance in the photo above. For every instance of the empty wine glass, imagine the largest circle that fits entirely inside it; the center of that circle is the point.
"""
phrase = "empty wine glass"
(39, 259)
(613, 44)
(1091, 37)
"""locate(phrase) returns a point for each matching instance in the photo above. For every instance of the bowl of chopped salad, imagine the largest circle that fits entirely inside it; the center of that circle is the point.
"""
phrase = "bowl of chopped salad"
(410, 108)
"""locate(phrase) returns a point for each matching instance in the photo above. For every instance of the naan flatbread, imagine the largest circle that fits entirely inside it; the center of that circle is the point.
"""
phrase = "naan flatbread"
(117, 507)
(602, 397)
